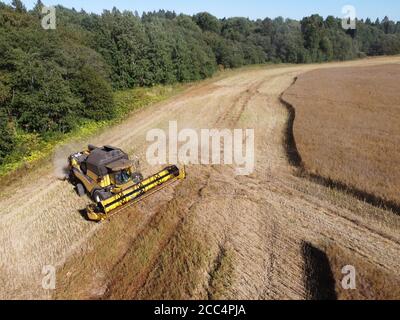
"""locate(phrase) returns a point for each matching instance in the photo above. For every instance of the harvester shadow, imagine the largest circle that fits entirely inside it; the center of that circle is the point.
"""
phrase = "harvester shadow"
(318, 276)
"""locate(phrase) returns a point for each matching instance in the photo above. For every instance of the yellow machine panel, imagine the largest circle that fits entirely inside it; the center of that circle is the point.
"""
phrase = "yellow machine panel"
(136, 192)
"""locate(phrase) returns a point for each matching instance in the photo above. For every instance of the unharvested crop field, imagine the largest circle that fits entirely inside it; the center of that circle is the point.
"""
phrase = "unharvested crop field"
(269, 235)
(347, 127)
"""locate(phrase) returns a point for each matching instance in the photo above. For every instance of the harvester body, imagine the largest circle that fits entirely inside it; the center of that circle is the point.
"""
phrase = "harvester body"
(113, 180)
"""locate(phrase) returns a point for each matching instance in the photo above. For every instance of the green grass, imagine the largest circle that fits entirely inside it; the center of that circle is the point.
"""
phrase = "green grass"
(31, 148)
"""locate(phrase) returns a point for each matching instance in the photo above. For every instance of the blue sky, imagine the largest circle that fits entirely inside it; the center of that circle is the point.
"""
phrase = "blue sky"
(247, 8)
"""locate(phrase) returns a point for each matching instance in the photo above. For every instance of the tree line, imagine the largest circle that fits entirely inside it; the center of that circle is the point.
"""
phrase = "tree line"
(53, 80)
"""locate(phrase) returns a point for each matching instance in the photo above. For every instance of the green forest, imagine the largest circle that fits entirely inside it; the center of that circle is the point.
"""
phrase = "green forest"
(52, 81)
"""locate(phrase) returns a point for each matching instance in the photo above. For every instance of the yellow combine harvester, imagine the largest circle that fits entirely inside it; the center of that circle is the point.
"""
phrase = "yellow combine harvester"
(113, 181)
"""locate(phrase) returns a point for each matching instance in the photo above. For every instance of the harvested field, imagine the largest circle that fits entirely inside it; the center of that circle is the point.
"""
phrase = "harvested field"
(347, 129)
(213, 236)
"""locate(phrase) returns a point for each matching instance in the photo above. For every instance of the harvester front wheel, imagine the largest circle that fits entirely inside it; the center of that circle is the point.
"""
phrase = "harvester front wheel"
(80, 189)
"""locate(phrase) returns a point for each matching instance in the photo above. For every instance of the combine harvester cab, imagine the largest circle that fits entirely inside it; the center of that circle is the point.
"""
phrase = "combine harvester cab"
(113, 181)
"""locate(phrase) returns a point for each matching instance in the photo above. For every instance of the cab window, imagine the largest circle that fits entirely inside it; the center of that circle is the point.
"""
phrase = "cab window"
(122, 177)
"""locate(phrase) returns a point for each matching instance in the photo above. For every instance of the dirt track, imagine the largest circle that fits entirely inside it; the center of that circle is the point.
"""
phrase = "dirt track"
(264, 219)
